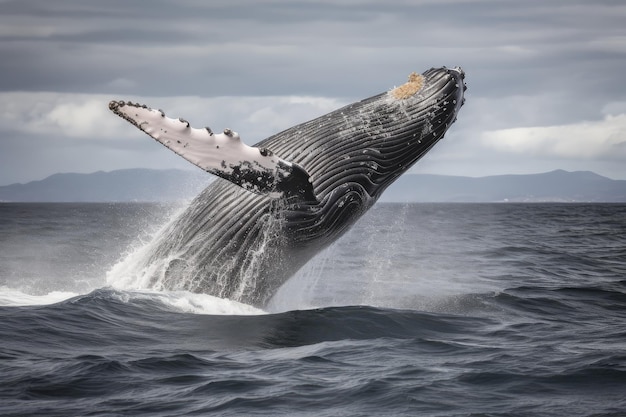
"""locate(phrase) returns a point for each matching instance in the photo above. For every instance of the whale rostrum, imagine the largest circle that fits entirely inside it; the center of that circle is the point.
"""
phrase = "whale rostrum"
(292, 194)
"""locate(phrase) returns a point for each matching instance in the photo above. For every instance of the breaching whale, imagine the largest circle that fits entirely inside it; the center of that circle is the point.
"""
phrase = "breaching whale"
(291, 195)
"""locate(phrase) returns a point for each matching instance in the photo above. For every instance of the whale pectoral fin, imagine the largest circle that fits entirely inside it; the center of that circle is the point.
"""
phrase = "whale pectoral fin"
(224, 154)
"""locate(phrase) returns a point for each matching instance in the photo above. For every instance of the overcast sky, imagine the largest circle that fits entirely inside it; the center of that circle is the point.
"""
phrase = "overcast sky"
(546, 78)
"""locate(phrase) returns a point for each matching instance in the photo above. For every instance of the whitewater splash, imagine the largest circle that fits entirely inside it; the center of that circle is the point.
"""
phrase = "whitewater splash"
(136, 270)
(374, 264)
(388, 272)
(11, 297)
(144, 267)
(186, 302)
(124, 281)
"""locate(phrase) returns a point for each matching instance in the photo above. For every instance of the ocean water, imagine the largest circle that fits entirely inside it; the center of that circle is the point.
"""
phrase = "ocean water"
(420, 310)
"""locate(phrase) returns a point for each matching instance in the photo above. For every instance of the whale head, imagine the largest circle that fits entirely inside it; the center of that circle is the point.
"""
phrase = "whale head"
(372, 142)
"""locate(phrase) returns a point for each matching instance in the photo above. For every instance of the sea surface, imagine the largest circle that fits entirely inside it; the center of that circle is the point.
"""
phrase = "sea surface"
(420, 310)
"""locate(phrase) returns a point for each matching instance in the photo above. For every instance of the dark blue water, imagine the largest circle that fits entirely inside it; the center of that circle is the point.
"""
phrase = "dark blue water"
(425, 309)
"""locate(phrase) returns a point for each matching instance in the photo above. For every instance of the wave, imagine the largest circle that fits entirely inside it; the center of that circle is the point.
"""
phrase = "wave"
(108, 343)
(180, 301)
(141, 318)
(137, 319)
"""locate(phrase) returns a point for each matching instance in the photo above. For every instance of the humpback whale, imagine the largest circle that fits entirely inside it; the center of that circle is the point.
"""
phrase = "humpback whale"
(278, 203)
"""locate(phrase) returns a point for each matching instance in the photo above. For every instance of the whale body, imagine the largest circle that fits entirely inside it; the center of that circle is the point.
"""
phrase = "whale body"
(280, 202)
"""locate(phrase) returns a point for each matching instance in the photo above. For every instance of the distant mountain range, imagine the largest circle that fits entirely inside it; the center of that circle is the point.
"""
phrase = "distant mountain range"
(554, 186)
(172, 185)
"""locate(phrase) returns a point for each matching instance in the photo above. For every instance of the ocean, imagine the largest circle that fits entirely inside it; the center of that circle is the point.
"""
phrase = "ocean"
(419, 310)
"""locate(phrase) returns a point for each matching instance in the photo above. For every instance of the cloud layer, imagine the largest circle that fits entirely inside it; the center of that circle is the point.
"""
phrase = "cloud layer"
(605, 139)
(544, 77)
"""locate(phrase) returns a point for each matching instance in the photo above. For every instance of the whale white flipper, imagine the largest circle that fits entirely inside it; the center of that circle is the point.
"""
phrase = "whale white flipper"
(223, 154)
